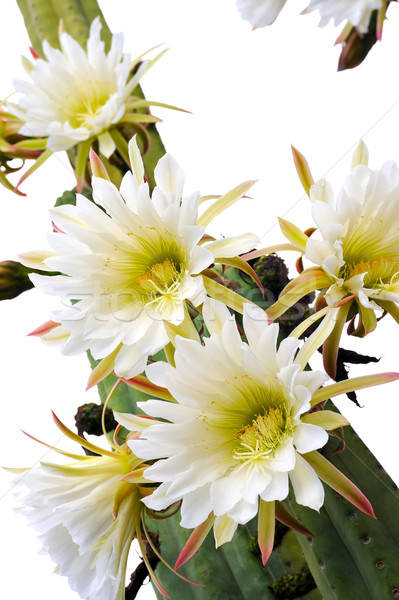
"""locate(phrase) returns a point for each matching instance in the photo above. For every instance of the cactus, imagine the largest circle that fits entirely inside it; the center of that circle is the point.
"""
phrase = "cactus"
(290, 586)
(42, 19)
(353, 556)
(234, 571)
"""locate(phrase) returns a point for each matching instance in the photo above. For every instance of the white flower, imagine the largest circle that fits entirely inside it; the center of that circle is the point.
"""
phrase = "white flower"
(357, 12)
(238, 430)
(260, 13)
(76, 95)
(360, 235)
(132, 261)
(86, 518)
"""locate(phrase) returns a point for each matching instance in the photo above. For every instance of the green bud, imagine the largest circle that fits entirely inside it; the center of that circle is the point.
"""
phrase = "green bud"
(13, 279)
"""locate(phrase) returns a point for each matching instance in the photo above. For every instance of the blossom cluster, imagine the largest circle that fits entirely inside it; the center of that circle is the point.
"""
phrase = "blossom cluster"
(234, 414)
(235, 417)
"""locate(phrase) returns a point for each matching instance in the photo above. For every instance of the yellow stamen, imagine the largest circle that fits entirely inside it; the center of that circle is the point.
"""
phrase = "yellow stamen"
(379, 273)
(264, 435)
(161, 284)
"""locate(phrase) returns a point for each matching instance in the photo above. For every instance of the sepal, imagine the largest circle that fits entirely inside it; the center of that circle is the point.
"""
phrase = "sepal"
(339, 482)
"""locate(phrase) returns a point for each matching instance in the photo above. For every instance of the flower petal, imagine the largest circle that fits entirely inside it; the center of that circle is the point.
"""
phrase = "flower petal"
(307, 486)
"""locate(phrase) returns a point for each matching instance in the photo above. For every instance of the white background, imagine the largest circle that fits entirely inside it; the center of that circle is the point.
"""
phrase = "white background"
(252, 94)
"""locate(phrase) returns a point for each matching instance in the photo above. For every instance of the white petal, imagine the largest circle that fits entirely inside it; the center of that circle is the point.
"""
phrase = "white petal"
(284, 458)
(260, 13)
(307, 486)
(309, 437)
(107, 195)
(189, 209)
(255, 482)
(136, 161)
(312, 380)
(226, 492)
(200, 259)
(159, 499)
(277, 489)
(215, 315)
(129, 362)
(35, 259)
(322, 191)
(195, 507)
(243, 512)
(169, 410)
(106, 144)
(169, 176)
(129, 190)
(255, 320)
(287, 351)
(159, 373)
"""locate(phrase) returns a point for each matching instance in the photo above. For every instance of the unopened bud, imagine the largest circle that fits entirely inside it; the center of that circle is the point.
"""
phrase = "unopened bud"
(272, 272)
(88, 419)
(13, 279)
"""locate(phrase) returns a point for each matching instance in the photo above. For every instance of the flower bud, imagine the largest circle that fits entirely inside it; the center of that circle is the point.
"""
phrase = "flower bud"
(14, 279)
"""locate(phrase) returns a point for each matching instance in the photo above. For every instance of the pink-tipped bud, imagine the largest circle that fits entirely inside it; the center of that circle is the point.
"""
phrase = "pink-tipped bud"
(97, 166)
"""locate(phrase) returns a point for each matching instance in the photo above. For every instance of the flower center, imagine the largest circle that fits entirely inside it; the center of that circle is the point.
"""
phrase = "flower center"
(380, 273)
(264, 435)
(150, 271)
(160, 284)
(87, 110)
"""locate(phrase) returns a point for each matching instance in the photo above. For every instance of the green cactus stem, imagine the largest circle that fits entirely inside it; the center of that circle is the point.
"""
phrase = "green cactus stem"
(234, 571)
(42, 19)
(354, 557)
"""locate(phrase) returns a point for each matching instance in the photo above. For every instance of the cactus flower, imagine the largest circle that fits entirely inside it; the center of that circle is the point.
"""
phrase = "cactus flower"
(240, 429)
(260, 13)
(356, 250)
(87, 515)
(75, 95)
(359, 245)
(133, 262)
(357, 12)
